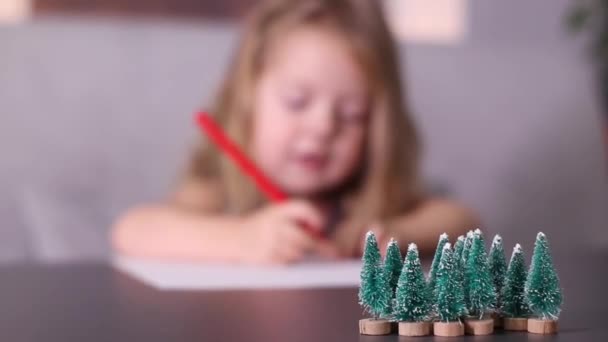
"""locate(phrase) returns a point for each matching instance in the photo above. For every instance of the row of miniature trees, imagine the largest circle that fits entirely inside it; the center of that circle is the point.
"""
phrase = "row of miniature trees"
(464, 284)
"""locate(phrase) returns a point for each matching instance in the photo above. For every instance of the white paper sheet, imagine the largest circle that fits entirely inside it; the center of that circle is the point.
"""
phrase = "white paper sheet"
(190, 276)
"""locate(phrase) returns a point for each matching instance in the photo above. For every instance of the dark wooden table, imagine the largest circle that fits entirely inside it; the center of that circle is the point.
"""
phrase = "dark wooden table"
(62, 303)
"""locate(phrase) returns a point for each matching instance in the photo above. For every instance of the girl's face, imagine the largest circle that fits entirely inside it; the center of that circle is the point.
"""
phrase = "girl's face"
(310, 113)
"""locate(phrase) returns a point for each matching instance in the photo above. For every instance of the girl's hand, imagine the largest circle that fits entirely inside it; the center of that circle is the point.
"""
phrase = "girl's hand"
(272, 235)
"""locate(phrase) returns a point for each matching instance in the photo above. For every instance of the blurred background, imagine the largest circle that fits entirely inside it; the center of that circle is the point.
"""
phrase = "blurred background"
(97, 96)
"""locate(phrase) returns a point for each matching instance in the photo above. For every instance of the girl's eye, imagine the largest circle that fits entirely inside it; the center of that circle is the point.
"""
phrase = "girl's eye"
(296, 102)
(353, 113)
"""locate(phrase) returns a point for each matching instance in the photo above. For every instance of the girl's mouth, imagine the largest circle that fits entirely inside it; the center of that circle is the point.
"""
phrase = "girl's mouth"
(312, 162)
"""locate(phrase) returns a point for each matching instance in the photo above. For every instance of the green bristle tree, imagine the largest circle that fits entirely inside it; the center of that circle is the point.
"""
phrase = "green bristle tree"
(514, 303)
(543, 292)
(374, 292)
(459, 247)
(392, 270)
(449, 305)
(459, 263)
(412, 301)
(443, 239)
(478, 282)
(498, 267)
(468, 241)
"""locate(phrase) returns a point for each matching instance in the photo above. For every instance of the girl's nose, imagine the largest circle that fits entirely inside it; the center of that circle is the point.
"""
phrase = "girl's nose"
(322, 123)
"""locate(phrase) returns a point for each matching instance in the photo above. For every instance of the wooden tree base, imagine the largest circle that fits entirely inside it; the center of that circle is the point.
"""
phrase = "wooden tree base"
(542, 326)
(449, 329)
(515, 324)
(414, 328)
(370, 326)
(479, 326)
(498, 320)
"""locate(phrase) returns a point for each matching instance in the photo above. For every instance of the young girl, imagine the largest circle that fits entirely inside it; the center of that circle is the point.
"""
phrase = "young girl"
(314, 97)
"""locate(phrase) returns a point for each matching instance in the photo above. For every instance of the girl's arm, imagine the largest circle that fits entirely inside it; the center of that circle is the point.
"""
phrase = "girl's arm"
(177, 230)
(430, 219)
(185, 229)
(167, 232)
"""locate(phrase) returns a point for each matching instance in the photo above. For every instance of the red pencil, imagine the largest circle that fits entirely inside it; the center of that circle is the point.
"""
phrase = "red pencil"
(274, 194)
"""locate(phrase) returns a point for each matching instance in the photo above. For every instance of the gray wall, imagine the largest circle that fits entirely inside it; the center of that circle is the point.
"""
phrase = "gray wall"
(95, 116)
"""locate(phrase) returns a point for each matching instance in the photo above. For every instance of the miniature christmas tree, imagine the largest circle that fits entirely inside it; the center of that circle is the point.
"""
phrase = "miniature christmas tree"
(450, 305)
(412, 302)
(498, 267)
(468, 241)
(479, 288)
(459, 248)
(513, 293)
(443, 239)
(392, 270)
(543, 292)
(466, 248)
(374, 293)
